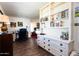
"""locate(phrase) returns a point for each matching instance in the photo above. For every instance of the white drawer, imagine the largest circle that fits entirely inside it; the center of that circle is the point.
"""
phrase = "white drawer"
(59, 44)
(59, 51)
(55, 52)
(41, 44)
(40, 38)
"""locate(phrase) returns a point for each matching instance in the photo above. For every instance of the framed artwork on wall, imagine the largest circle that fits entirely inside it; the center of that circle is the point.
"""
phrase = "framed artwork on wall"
(20, 24)
(77, 12)
(12, 24)
(46, 19)
(63, 14)
(38, 25)
(52, 24)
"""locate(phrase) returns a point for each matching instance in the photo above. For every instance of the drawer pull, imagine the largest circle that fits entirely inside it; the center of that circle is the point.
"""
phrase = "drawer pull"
(48, 40)
(61, 50)
(44, 42)
(49, 49)
(48, 44)
(61, 44)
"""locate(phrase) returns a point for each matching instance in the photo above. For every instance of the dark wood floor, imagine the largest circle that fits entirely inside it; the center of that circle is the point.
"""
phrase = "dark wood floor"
(28, 48)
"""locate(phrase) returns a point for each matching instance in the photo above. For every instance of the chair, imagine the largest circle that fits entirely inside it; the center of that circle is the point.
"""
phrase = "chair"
(6, 45)
(23, 34)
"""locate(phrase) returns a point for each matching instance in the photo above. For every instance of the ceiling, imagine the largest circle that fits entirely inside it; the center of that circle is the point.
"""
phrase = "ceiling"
(22, 9)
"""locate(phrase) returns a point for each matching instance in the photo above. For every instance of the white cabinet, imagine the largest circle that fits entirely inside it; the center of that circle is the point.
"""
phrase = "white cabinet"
(55, 47)
(60, 30)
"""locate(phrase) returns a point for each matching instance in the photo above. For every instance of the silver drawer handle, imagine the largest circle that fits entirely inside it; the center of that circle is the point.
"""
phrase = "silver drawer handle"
(61, 44)
(48, 49)
(61, 50)
(44, 38)
(48, 40)
(48, 44)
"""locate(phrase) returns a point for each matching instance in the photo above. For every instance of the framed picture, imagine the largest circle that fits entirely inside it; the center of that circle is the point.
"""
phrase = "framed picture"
(63, 14)
(20, 24)
(52, 24)
(46, 19)
(57, 24)
(38, 25)
(1, 12)
(77, 12)
(12, 24)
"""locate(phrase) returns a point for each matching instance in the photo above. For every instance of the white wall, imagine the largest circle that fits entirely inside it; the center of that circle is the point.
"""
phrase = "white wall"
(26, 22)
(33, 24)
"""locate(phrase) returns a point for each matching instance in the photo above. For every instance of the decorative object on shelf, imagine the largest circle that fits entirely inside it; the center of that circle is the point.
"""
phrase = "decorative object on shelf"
(1, 12)
(46, 19)
(63, 14)
(64, 36)
(57, 24)
(20, 24)
(61, 23)
(52, 18)
(52, 24)
(4, 27)
(12, 24)
(38, 25)
(77, 12)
